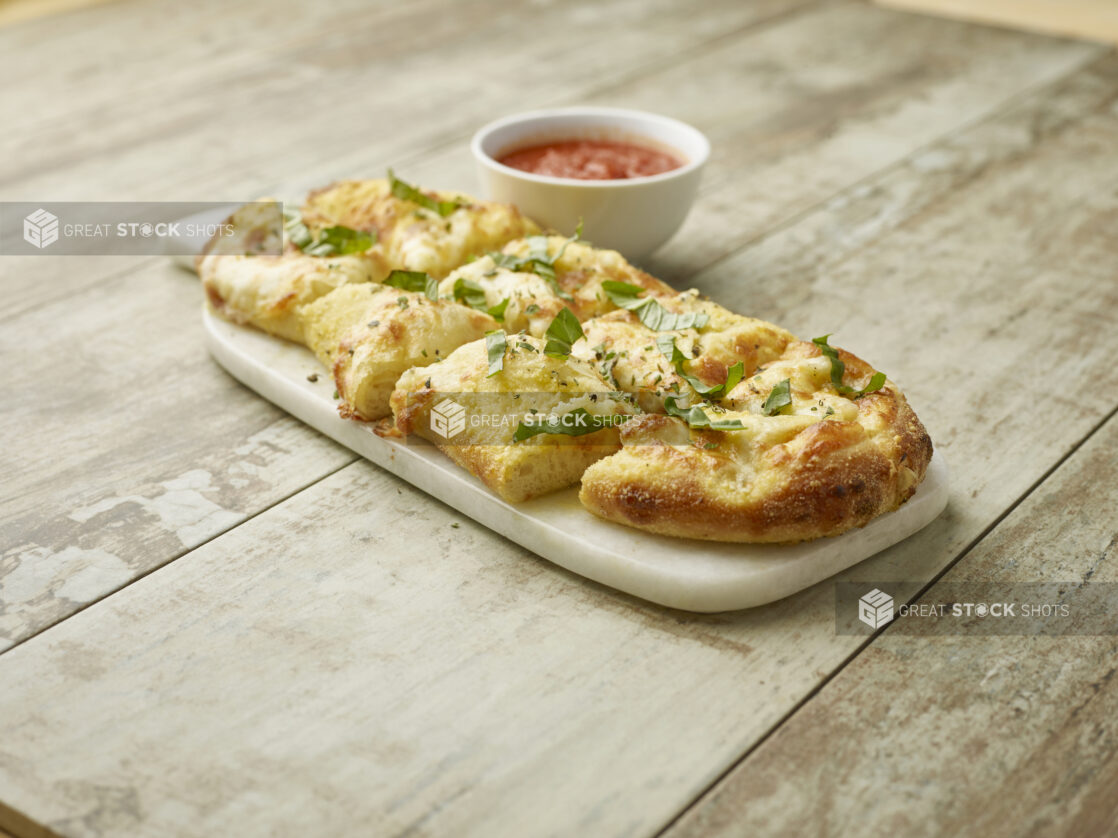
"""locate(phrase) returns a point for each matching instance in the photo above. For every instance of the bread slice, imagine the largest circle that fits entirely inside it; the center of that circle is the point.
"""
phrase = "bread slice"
(267, 291)
(823, 463)
(368, 335)
(532, 279)
(474, 416)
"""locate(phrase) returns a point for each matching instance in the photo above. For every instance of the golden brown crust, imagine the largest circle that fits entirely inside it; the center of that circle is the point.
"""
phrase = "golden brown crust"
(782, 478)
(529, 382)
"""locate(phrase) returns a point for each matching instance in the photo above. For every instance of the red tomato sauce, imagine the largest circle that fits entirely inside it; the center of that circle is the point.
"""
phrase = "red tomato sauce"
(591, 160)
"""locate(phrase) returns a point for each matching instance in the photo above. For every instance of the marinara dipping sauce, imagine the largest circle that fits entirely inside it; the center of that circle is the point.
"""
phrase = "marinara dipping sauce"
(591, 160)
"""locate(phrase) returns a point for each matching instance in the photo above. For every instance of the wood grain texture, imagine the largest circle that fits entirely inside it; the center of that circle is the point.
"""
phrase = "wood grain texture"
(1094, 20)
(349, 657)
(788, 105)
(964, 734)
(796, 112)
(110, 461)
(155, 449)
(219, 103)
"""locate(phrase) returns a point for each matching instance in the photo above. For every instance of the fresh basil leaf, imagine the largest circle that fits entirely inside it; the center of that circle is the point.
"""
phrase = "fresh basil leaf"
(734, 375)
(696, 417)
(838, 369)
(780, 398)
(667, 347)
(416, 281)
(578, 422)
(407, 192)
(343, 241)
(648, 310)
(538, 261)
(562, 333)
(469, 293)
(497, 312)
(876, 383)
(332, 241)
(295, 229)
(495, 345)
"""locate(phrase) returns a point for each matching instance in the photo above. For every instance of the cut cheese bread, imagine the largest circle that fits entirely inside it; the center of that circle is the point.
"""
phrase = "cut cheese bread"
(268, 291)
(368, 335)
(433, 231)
(800, 458)
(632, 356)
(428, 231)
(534, 278)
(477, 415)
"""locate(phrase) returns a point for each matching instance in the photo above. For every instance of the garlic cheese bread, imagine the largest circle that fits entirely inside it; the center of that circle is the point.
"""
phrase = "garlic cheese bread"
(354, 231)
(811, 444)
(535, 361)
(369, 335)
(532, 279)
(268, 291)
(531, 422)
(416, 230)
(694, 347)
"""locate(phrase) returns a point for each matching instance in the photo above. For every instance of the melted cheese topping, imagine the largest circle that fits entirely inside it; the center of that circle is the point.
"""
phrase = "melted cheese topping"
(368, 335)
(530, 384)
(620, 343)
(533, 301)
(410, 236)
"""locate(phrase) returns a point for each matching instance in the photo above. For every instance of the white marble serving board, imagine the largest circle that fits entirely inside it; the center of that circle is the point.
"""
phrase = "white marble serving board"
(680, 573)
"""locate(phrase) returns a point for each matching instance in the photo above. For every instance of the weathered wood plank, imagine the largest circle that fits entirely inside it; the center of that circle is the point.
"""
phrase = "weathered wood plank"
(796, 112)
(190, 453)
(213, 118)
(959, 734)
(1095, 20)
(339, 661)
(41, 524)
(110, 462)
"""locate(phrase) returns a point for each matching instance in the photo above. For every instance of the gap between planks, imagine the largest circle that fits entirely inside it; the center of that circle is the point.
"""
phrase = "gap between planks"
(830, 676)
(353, 459)
(1009, 103)
(438, 145)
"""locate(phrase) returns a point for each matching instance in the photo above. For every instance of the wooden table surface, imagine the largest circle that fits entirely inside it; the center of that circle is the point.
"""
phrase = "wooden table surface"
(214, 621)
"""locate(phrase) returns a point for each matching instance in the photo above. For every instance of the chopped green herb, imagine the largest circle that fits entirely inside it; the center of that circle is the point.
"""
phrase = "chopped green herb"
(648, 310)
(667, 347)
(838, 368)
(576, 423)
(532, 309)
(877, 381)
(497, 312)
(562, 333)
(416, 281)
(469, 293)
(779, 400)
(402, 302)
(495, 344)
(407, 192)
(341, 241)
(336, 240)
(538, 261)
(696, 417)
(294, 228)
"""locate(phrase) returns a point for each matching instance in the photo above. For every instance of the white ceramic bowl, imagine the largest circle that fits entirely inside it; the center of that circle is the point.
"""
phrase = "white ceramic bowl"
(633, 215)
